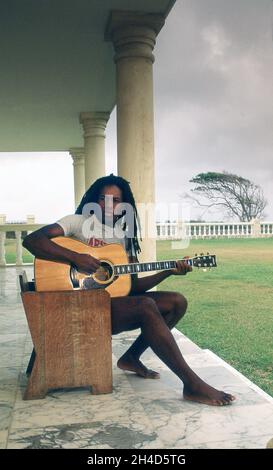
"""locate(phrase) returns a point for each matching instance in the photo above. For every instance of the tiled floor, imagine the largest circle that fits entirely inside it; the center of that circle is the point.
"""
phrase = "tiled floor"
(139, 414)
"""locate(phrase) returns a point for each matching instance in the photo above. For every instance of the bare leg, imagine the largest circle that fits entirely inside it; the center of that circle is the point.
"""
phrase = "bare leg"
(172, 307)
(129, 313)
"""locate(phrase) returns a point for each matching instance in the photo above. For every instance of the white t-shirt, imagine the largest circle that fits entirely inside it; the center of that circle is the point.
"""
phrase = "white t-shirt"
(91, 231)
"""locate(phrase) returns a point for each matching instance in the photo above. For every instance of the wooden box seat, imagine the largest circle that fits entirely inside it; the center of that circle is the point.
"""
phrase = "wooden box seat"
(71, 333)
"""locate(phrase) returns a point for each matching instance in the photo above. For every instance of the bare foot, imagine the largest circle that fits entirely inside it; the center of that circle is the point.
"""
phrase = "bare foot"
(204, 393)
(128, 362)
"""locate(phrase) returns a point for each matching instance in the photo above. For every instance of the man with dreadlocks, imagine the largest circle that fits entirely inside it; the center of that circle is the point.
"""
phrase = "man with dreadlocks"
(155, 313)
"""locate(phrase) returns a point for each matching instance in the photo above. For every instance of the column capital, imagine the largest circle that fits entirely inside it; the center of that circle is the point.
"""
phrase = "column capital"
(3, 218)
(30, 219)
(94, 123)
(133, 33)
(78, 155)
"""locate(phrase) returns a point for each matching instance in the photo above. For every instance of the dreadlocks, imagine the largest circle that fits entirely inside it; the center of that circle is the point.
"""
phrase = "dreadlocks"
(92, 195)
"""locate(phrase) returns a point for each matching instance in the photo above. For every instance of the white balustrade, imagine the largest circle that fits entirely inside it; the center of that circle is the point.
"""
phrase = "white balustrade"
(12, 232)
(204, 230)
(165, 231)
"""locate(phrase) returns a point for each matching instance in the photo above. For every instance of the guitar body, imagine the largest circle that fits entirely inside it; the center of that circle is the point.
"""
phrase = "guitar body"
(56, 276)
(113, 274)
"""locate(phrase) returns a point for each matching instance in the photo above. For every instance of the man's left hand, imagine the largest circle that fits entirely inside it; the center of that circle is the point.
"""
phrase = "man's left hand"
(182, 268)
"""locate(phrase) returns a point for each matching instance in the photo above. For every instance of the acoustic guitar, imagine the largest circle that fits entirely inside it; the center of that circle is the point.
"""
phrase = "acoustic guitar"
(114, 273)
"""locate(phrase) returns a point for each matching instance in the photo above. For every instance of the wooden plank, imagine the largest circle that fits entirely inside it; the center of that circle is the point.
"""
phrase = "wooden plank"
(71, 332)
(36, 387)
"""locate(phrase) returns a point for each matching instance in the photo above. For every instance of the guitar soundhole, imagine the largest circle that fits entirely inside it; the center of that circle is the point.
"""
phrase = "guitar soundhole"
(104, 272)
(103, 277)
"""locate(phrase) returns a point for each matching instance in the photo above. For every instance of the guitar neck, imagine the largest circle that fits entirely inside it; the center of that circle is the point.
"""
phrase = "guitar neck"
(133, 268)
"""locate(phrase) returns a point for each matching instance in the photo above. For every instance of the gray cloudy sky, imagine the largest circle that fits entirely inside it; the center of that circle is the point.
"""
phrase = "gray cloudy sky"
(214, 94)
(213, 111)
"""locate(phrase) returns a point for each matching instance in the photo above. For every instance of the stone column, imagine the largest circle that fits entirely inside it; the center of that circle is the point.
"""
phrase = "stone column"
(78, 157)
(2, 241)
(133, 36)
(94, 124)
(30, 219)
(19, 248)
(2, 249)
(256, 228)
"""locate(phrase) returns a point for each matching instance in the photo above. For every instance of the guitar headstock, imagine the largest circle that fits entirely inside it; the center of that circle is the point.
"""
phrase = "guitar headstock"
(204, 261)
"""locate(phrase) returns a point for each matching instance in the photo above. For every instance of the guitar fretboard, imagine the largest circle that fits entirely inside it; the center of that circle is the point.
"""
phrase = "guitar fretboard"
(144, 267)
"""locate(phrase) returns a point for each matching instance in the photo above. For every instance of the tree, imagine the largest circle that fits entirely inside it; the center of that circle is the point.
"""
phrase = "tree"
(236, 195)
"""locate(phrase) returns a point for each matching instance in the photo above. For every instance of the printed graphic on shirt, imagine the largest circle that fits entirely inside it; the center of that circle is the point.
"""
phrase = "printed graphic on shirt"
(95, 242)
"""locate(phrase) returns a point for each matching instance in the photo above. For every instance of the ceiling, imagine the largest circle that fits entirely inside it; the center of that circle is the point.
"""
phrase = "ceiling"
(55, 64)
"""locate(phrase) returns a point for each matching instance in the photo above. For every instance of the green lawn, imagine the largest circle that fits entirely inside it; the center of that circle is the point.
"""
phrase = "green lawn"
(230, 307)
(11, 252)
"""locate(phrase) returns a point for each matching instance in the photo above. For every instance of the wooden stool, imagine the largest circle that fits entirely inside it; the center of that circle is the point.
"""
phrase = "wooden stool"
(71, 333)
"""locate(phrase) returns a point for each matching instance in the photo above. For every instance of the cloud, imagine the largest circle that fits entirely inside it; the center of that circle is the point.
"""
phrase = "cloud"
(213, 109)
(214, 94)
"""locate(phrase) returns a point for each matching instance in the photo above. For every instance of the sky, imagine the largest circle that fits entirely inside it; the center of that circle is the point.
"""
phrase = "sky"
(213, 96)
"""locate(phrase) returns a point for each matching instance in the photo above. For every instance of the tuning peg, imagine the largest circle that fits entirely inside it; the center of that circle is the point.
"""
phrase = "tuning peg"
(201, 254)
(196, 254)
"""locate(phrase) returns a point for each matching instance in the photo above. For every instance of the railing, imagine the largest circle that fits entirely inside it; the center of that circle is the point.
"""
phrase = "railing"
(165, 231)
(18, 230)
(266, 229)
(201, 230)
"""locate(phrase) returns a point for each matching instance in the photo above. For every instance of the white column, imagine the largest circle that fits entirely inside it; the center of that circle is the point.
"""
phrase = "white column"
(94, 124)
(78, 157)
(134, 36)
(19, 256)
(2, 241)
(2, 249)
(255, 228)
(30, 219)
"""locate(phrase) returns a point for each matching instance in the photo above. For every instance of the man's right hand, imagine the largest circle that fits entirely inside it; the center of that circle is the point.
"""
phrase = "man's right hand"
(85, 263)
